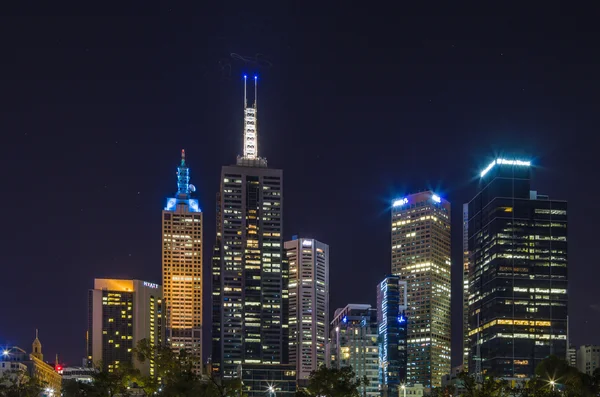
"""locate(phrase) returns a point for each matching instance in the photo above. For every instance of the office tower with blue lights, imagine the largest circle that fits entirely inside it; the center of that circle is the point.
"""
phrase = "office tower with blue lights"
(182, 267)
(308, 292)
(518, 273)
(393, 331)
(354, 342)
(421, 257)
(248, 266)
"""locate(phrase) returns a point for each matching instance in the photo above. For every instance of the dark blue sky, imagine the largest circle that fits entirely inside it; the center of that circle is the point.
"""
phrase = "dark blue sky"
(356, 105)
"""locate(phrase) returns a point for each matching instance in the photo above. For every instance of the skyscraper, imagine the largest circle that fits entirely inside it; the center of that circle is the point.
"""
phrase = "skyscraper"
(518, 272)
(354, 342)
(120, 314)
(421, 257)
(308, 304)
(465, 291)
(393, 331)
(247, 270)
(182, 267)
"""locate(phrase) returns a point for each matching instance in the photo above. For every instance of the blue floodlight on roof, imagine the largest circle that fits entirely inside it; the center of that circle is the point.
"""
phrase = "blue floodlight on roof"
(400, 202)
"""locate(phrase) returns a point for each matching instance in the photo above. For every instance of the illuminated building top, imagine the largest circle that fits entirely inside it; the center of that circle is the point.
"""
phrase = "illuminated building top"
(184, 189)
(504, 162)
(250, 157)
(405, 200)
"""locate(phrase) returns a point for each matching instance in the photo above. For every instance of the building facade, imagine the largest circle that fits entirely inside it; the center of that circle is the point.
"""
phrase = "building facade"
(518, 273)
(354, 342)
(120, 314)
(421, 257)
(248, 271)
(393, 331)
(308, 290)
(465, 290)
(182, 221)
(588, 359)
(260, 380)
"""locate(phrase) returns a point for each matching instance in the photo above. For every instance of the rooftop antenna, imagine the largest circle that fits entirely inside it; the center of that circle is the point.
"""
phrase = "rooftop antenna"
(250, 130)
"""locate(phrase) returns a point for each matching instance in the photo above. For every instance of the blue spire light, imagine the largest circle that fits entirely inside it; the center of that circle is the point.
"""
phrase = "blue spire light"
(183, 176)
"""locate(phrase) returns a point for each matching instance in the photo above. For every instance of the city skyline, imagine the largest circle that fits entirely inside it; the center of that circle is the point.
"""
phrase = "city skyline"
(97, 148)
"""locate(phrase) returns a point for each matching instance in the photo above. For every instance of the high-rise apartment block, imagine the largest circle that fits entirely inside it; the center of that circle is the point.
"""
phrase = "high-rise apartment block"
(120, 314)
(248, 264)
(393, 331)
(518, 273)
(588, 359)
(421, 257)
(182, 267)
(354, 343)
(308, 291)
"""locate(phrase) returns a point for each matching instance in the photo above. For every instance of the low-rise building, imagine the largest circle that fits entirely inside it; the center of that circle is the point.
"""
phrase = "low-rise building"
(79, 374)
(588, 358)
(34, 365)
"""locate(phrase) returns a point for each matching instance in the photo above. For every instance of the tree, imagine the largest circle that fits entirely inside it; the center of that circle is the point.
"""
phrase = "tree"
(333, 382)
(490, 387)
(19, 384)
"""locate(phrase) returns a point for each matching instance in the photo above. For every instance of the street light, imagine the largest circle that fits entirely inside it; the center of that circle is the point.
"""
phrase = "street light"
(5, 352)
(403, 387)
(271, 391)
(552, 383)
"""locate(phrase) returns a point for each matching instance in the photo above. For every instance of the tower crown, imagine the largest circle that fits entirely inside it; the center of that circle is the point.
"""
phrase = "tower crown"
(250, 138)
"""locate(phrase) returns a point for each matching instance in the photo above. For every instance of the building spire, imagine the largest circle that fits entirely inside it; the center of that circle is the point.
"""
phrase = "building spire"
(183, 177)
(250, 123)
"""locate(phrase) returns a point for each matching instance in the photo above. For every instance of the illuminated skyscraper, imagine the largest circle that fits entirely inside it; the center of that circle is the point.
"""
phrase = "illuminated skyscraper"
(393, 331)
(308, 304)
(518, 272)
(421, 257)
(248, 268)
(120, 314)
(182, 267)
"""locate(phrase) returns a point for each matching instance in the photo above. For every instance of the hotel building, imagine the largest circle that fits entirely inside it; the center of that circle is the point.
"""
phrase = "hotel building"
(120, 314)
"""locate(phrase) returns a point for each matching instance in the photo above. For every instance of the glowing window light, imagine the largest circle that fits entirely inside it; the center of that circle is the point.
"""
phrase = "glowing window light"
(436, 198)
(504, 162)
(400, 202)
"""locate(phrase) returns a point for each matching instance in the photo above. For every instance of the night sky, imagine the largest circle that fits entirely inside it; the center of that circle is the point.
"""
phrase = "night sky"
(358, 106)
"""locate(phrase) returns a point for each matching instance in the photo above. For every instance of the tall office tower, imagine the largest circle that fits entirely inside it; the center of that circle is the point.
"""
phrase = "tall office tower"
(120, 314)
(393, 331)
(354, 343)
(518, 274)
(308, 304)
(465, 361)
(421, 257)
(182, 267)
(248, 268)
